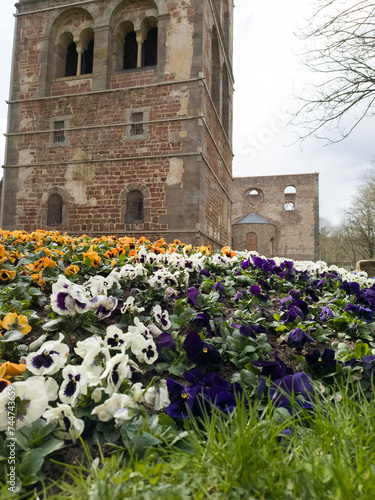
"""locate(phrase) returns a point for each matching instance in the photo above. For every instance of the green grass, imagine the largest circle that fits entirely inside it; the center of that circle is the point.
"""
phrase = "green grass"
(330, 455)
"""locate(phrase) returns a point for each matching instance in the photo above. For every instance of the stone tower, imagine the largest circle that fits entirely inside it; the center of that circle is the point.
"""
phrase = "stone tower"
(120, 119)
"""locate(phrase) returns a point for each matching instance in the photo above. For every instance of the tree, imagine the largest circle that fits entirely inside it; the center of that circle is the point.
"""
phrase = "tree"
(358, 221)
(340, 37)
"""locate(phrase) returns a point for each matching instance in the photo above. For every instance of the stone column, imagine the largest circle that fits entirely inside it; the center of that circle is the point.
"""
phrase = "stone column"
(79, 61)
(140, 40)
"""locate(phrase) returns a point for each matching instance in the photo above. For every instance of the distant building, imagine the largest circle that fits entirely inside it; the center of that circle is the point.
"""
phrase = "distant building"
(120, 122)
(277, 215)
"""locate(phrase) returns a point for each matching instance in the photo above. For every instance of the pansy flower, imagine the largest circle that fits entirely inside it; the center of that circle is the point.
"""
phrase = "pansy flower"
(321, 363)
(129, 307)
(30, 399)
(161, 317)
(74, 383)
(103, 305)
(274, 369)
(200, 352)
(117, 339)
(157, 395)
(282, 390)
(144, 349)
(107, 410)
(298, 338)
(192, 294)
(325, 313)
(67, 426)
(182, 399)
(49, 358)
(117, 369)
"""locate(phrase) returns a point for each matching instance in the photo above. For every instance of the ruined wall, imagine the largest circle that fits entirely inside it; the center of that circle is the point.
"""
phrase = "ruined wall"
(295, 215)
(180, 163)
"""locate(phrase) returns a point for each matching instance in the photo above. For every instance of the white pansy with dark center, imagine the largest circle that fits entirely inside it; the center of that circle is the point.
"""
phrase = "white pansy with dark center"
(99, 285)
(49, 358)
(144, 349)
(117, 339)
(74, 383)
(117, 369)
(67, 425)
(68, 298)
(103, 305)
(161, 317)
(30, 398)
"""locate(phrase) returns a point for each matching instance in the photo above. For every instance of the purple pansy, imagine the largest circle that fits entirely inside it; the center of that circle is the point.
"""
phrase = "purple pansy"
(200, 352)
(298, 338)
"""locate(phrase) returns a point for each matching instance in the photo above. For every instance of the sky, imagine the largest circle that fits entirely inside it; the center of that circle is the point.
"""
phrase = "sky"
(268, 74)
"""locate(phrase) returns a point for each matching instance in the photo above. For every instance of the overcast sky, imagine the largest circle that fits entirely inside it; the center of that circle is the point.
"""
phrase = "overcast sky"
(267, 74)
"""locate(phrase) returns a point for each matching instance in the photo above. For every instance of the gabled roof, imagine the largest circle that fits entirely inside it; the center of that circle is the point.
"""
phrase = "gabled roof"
(253, 219)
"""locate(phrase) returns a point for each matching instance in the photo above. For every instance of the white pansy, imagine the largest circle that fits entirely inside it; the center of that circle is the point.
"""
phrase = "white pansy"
(161, 317)
(129, 307)
(49, 358)
(117, 339)
(157, 395)
(74, 383)
(117, 369)
(67, 425)
(144, 349)
(30, 398)
(52, 387)
(107, 410)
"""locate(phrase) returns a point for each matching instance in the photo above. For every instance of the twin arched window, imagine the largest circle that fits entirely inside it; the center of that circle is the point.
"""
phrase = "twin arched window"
(140, 50)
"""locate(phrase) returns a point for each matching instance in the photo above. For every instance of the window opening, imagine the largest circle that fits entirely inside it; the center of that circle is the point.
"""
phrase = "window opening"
(251, 242)
(59, 132)
(130, 51)
(137, 125)
(71, 60)
(290, 190)
(150, 48)
(134, 208)
(289, 206)
(87, 59)
(54, 214)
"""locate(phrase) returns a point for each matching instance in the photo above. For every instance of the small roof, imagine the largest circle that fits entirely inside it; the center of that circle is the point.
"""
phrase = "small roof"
(253, 219)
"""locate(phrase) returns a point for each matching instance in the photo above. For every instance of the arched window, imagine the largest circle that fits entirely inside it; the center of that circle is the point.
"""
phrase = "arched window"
(254, 196)
(87, 59)
(71, 60)
(251, 242)
(215, 70)
(290, 190)
(150, 48)
(54, 213)
(130, 51)
(134, 208)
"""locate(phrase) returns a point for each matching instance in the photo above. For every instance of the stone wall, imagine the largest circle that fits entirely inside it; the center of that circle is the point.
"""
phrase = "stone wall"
(181, 163)
(297, 229)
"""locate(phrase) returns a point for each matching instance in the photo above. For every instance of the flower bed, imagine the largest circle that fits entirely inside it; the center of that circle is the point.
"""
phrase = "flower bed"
(117, 340)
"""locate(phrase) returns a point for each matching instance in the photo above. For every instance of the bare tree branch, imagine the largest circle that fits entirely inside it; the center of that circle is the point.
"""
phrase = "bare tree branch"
(340, 36)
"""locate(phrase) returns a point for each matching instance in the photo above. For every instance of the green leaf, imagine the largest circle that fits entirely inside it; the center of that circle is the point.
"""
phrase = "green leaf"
(30, 479)
(31, 463)
(50, 446)
(12, 336)
(53, 324)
